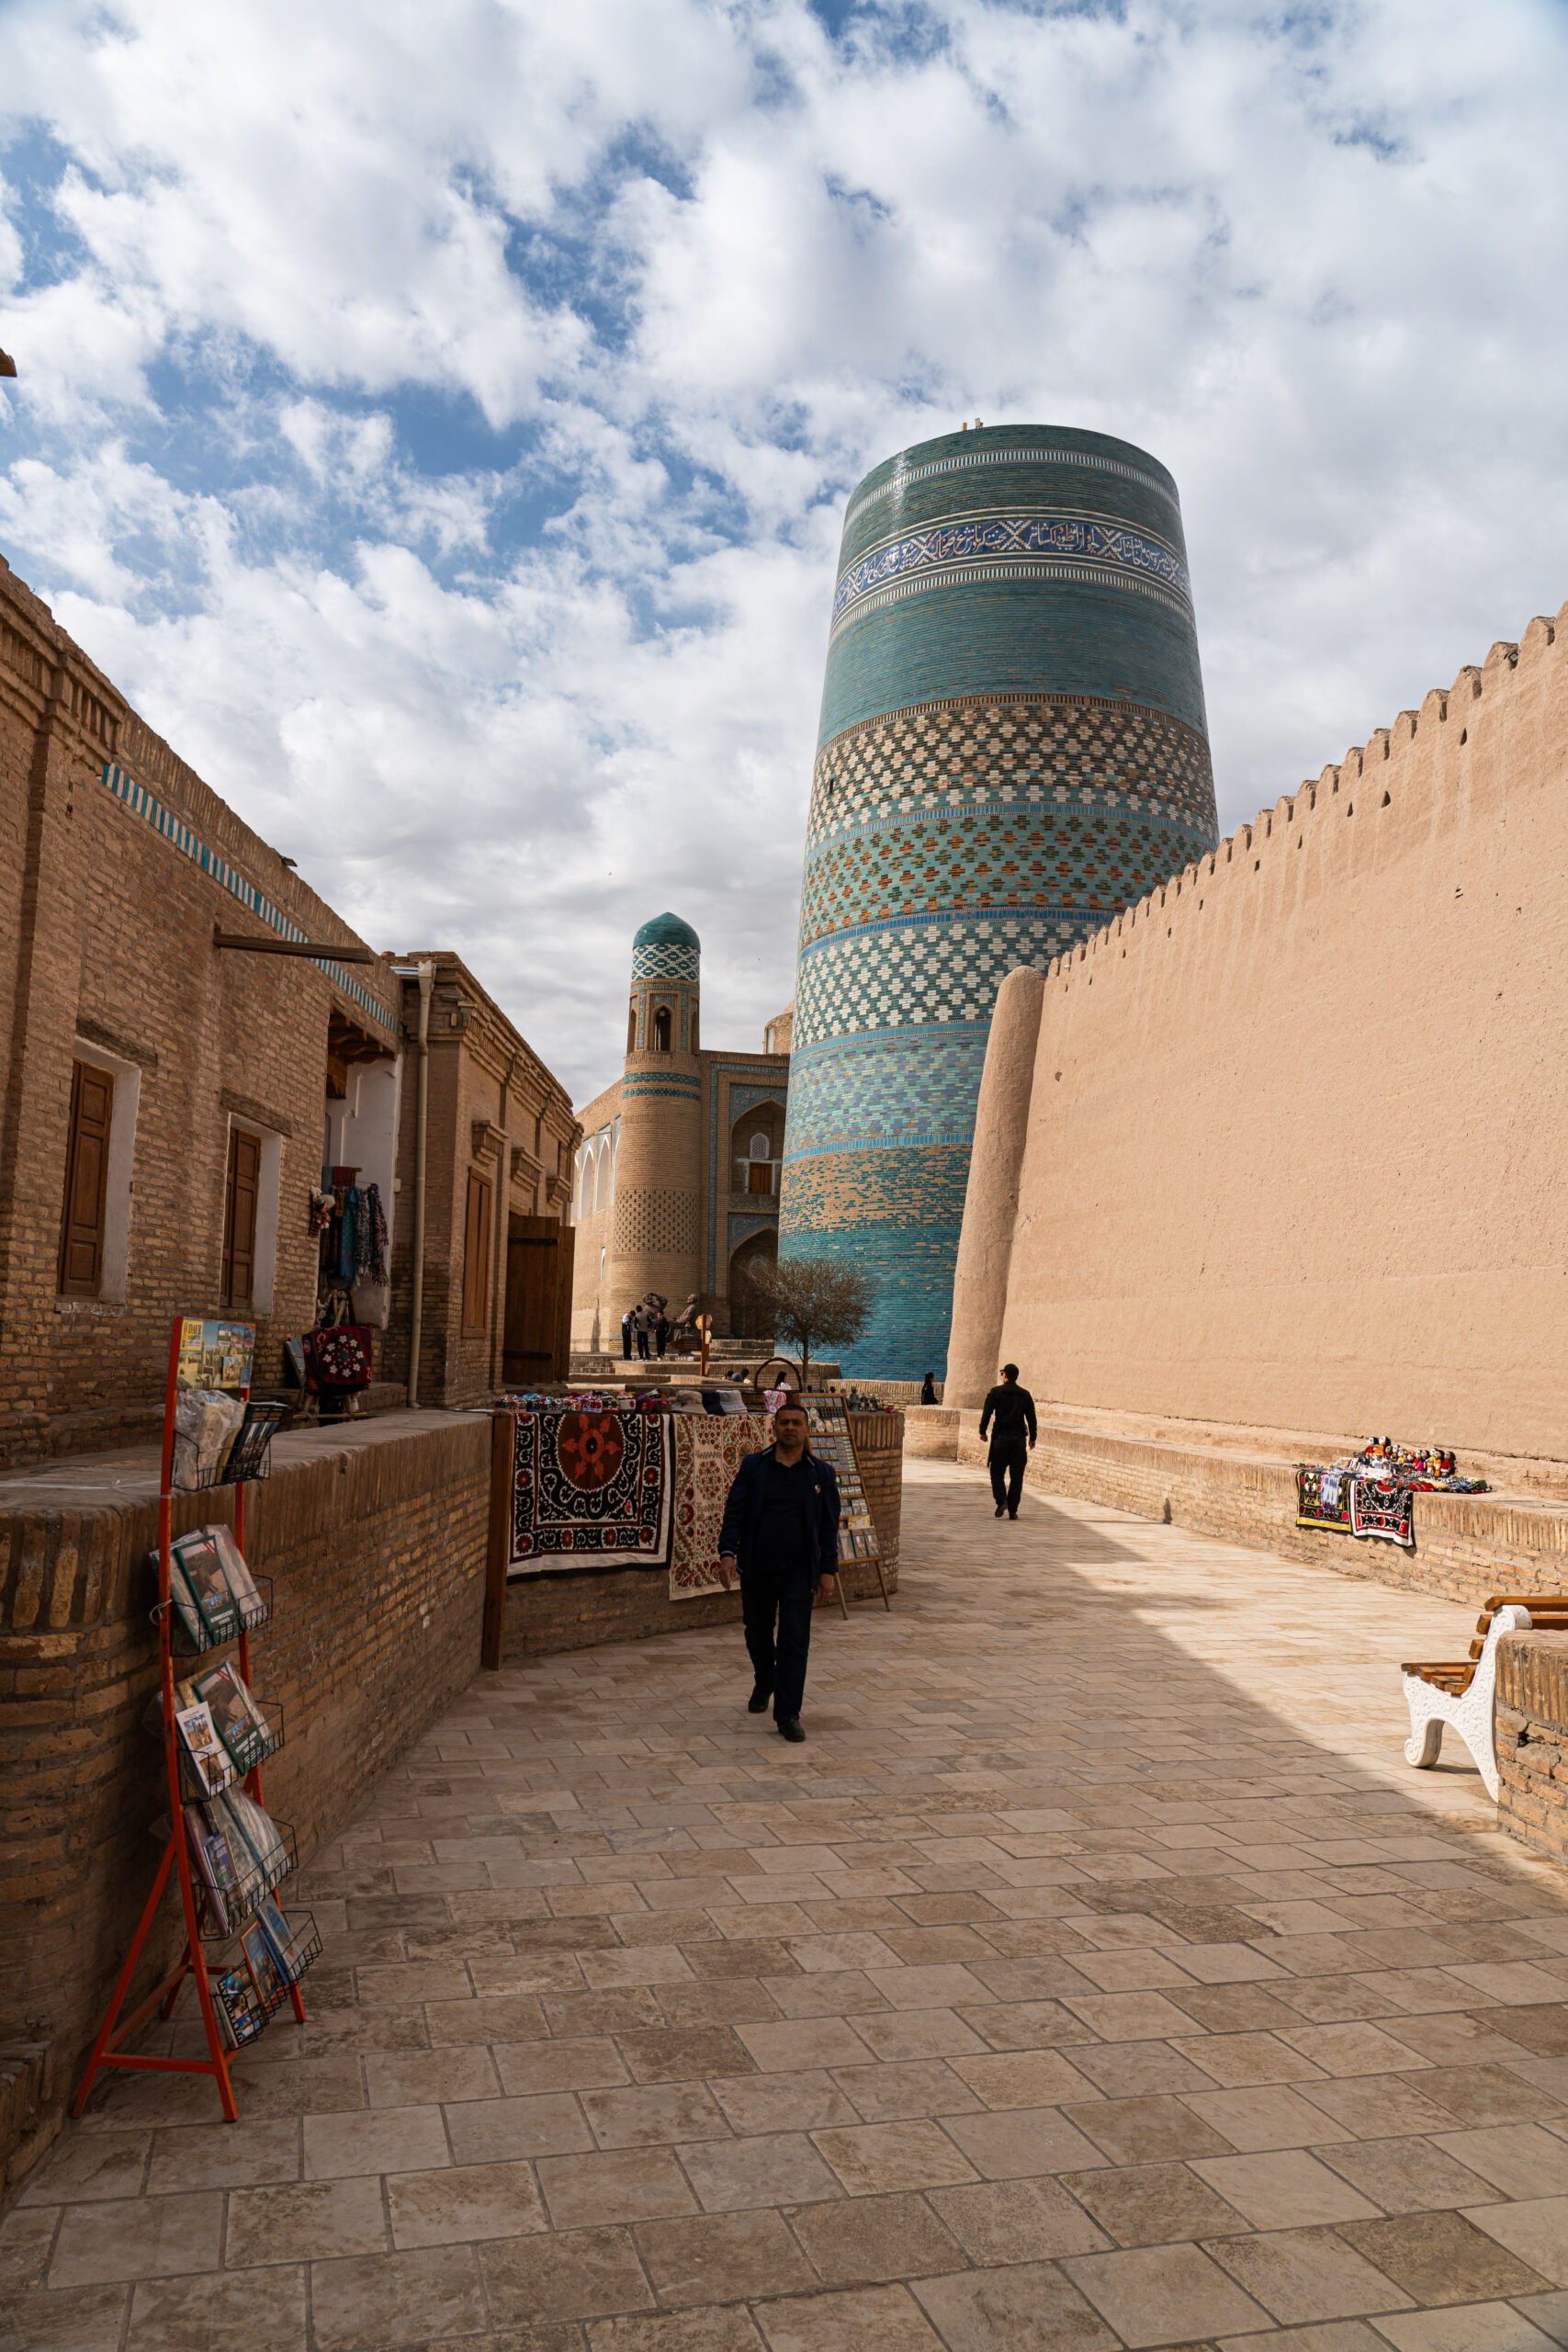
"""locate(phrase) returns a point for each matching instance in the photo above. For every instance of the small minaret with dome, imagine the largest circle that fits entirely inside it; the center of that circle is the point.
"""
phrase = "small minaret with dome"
(656, 1223)
(676, 1182)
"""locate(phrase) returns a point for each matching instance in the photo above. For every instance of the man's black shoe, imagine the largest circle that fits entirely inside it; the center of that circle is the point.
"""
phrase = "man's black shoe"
(789, 1727)
(1012, 1514)
(757, 1704)
(999, 1510)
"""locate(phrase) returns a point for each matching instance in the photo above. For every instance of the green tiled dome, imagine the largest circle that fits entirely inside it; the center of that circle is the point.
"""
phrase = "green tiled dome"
(667, 931)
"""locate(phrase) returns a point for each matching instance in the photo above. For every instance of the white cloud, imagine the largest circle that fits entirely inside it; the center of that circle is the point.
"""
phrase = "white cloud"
(439, 423)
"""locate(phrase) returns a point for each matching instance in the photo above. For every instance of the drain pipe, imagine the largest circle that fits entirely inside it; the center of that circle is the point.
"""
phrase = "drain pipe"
(425, 973)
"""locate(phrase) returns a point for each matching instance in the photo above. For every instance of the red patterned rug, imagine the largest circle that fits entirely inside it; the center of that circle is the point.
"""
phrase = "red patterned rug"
(590, 1490)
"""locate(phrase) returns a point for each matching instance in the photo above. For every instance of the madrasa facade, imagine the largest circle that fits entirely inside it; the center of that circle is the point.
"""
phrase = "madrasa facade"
(1012, 749)
(675, 1184)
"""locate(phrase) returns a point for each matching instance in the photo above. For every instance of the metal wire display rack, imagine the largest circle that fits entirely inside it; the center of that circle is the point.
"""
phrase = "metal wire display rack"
(202, 1355)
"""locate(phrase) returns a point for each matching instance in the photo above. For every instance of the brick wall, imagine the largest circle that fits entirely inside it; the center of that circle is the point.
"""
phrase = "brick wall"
(1532, 1740)
(481, 1074)
(376, 1551)
(1467, 1547)
(105, 942)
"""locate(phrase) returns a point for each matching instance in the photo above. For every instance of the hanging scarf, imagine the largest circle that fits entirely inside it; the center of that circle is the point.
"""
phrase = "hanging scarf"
(377, 1221)
(347, 1240)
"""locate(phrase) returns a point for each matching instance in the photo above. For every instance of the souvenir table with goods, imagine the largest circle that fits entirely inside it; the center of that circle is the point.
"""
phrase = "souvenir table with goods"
(1369, 1494)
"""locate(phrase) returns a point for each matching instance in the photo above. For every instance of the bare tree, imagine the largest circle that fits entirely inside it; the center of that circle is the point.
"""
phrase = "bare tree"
(814, 1300)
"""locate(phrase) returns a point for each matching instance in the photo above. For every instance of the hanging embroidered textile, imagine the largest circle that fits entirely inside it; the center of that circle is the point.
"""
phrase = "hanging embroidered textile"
(339, 1358)
(1385, 1510)
(709, 1450)
(1323, 1498)
(590, 1490)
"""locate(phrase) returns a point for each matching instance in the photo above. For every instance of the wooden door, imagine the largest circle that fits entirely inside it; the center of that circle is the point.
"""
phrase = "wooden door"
(241, 1195)
(81, 1268)
(477, 1274)
(536, 1342)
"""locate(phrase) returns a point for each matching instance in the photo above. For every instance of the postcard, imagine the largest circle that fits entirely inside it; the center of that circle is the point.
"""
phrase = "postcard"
(183, 1601)
(239, 1721)
(241, 1582)
(202, 1567)
(198, 1737)
(215, 1355)
(262, 1962)
(236, 2005)
(279, 1935)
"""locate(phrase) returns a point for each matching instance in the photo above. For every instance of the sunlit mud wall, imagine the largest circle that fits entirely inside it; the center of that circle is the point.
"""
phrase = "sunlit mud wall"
(1289, 1149)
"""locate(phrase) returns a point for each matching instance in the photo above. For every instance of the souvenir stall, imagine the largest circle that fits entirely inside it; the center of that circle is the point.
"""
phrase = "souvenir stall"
(1370, 1494)
(593, 1483)
(333, 1361)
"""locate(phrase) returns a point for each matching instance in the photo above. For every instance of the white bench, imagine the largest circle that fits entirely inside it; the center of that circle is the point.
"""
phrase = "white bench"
(1460, 1697)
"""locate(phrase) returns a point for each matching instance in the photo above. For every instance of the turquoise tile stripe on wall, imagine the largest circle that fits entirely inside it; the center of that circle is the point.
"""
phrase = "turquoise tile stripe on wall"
(1013, 748)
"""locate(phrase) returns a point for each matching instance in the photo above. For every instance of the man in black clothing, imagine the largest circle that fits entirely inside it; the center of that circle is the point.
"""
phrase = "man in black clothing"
(1012, 1439)
(781, 1535)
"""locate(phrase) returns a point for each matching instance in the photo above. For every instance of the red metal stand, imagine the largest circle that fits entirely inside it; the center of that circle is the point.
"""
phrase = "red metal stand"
(108, 2049)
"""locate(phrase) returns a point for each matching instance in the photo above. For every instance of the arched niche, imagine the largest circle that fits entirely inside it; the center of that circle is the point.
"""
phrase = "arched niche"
(756, 1149)
(748, 1318)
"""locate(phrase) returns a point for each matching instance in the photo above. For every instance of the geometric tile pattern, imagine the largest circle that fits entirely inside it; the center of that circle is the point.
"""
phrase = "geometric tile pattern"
(660, 959)
(1028, 541)
(947, 843)
(656, 1220)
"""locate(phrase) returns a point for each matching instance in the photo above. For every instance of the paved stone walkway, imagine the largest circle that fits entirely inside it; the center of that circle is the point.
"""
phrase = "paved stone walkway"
(1097, 1975)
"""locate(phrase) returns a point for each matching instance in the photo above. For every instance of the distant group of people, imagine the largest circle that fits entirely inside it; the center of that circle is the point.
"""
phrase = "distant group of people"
(643, 1323)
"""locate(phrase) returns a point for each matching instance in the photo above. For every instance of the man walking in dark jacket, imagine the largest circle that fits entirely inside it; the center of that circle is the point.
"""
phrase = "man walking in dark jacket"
(781, 1535)
(1012, 1439)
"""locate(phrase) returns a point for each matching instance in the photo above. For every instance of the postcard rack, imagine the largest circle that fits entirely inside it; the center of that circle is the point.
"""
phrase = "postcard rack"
(234, 2008)
(832, 1440)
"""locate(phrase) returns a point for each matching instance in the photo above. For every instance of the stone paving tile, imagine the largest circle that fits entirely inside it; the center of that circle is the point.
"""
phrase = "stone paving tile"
(723, 2256)
(1014, 2007)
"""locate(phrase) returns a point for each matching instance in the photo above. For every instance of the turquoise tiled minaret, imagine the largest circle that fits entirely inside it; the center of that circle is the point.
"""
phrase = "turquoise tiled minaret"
(1013, 748)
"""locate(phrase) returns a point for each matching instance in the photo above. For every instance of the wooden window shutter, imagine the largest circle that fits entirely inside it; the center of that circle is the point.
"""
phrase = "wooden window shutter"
(476, 1254)
(241, 1193)
(81, 1271)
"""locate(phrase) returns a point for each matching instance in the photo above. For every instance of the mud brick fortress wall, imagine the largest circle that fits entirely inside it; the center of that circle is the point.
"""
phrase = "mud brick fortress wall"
(117, 862)
(377, 1552)
(1285, 1150)
(1012, 745)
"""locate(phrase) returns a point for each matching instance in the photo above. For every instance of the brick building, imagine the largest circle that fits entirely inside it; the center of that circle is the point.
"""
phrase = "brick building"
(675, 1187)
(497, 1254)
(172, 1101)
(166, 1099)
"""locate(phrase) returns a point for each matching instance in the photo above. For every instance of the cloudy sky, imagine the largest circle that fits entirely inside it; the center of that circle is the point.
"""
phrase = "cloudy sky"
(439, 421)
